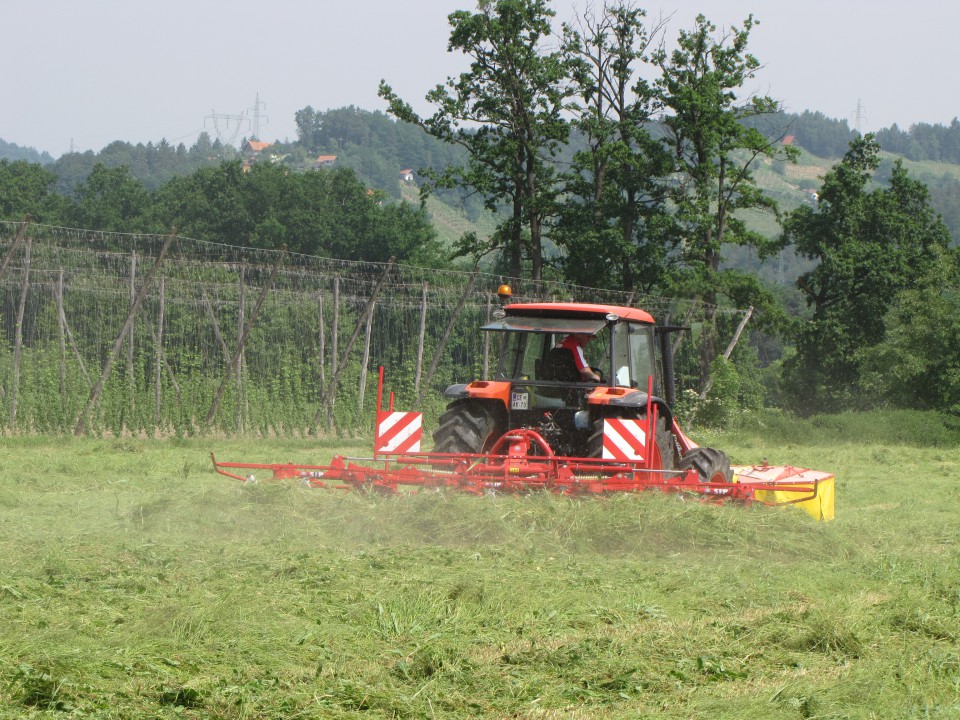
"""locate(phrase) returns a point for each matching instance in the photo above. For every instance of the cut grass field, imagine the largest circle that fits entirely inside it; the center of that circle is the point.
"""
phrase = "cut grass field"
(137, 583)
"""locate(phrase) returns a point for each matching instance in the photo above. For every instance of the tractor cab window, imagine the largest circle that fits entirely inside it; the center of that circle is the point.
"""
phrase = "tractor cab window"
(525, 342)
(633, 355)
(597, 352)
(522, 353)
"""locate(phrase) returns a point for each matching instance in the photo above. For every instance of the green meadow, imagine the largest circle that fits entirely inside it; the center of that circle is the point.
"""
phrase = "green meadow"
(135, 582)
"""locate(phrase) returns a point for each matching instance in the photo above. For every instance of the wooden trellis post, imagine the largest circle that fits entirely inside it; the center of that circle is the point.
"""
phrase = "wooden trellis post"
(18, 238)
(163, 356)
(215, 326)
(329, 396)
(321, 342)
(331, 391)
(438, 353)
(18, 336)
(65, 330)
(366, 361)
(423, 336)
(214, 406)
(158, 357)
(486, 341)
(118, 343)
(61, 336)
(241, 308)
(131, 380)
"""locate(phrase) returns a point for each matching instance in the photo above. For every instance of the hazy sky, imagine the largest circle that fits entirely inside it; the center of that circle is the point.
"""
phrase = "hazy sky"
(83, 73)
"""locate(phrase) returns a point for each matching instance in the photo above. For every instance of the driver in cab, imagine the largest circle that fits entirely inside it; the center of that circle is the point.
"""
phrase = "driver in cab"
(575, 343)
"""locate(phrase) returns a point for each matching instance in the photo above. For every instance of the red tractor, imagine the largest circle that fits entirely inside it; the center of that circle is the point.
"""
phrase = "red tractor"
(538, 385)
(579, 404)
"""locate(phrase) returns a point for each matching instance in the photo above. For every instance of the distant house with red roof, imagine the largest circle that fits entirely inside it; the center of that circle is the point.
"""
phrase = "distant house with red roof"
(407, 175)
(255, 147)
(324, 161)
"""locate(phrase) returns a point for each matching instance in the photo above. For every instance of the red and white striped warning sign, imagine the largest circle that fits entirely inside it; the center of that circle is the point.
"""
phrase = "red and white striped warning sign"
(399, 432)
(624, 439)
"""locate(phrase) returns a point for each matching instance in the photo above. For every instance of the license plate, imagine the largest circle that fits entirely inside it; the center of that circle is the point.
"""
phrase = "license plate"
(519, 401)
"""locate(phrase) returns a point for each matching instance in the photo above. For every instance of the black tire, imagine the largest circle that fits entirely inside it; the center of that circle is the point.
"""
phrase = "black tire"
(666, 443)
(468, 426)
(712, 465)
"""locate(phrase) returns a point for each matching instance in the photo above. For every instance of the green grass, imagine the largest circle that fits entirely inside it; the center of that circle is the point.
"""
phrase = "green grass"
(137, 583)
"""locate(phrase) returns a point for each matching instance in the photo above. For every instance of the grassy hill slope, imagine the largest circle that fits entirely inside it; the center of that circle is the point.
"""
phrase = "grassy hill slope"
(450, 222)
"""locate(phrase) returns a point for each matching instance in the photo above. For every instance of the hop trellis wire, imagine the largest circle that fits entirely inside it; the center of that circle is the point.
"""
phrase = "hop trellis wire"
(146, 334)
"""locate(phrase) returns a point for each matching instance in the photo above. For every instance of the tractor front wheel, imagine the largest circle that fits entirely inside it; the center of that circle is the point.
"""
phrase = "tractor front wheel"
(468, 426)
(712, 465)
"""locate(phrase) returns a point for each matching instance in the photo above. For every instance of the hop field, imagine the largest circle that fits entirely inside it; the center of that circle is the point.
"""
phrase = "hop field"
(137, 583)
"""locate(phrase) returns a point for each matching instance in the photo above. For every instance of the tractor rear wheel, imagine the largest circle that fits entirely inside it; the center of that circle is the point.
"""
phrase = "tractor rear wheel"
(712, 465)
(666, 444)
(468, 426)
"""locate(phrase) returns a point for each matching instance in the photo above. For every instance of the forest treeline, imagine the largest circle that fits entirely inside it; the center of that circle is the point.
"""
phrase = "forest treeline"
(376, 148)
(608, 161)
(328, 213)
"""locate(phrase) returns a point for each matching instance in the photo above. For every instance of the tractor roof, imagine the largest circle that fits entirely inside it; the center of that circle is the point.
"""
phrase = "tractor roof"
(578, 310)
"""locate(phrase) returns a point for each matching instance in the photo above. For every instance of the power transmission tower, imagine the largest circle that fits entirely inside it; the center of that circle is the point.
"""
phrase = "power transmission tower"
(221, 125)
(859, 118)
(256, 117)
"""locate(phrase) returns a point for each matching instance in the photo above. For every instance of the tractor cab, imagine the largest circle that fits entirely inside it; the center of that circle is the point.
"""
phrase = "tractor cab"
(619, 347)
(537, 384)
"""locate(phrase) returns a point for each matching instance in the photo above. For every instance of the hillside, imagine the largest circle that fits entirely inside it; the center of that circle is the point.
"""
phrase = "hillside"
(450, 222)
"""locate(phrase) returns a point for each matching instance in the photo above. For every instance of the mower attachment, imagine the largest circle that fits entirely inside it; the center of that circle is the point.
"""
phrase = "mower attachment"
(521, 461)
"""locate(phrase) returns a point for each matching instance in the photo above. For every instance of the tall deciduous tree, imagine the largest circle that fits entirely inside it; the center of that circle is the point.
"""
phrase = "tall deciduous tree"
(27, 189)
(699, 92)
(110, 199)
(308, 123)
(506, 111)
(614, 224)
(869, 246)
(917, 364)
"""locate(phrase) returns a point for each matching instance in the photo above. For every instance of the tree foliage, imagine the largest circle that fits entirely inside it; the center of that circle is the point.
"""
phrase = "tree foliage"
(12, 151)
(715, 152)
(811, 130)
(917, 364)
(923, 141)
(869, 246)
(506, 112)
(614, 225)
(328, 212)
(153, 164)
(27, 189)
(110, 199)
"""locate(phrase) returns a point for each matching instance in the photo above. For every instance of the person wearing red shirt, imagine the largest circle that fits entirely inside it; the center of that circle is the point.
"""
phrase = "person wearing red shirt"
(575, 344)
